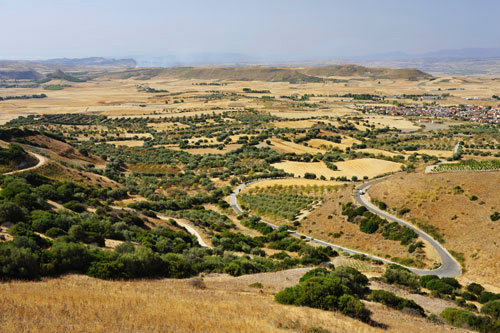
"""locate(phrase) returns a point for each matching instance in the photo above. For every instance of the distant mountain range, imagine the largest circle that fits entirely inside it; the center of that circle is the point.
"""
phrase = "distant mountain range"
(453, 62)
(51, 65)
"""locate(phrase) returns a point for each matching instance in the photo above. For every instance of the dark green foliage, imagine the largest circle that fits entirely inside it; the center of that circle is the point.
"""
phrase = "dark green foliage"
(487, 296)
(320, 271)
(465, 319)
(18, 262)
(393, 301)
(370, 223)
(426, 278)
(336, 291)
(440, 287)
(395, 274)
(492, 308)
(475, 288)
(74, 206)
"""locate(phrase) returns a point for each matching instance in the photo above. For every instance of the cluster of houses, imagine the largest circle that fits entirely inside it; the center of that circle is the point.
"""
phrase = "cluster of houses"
(479, 114)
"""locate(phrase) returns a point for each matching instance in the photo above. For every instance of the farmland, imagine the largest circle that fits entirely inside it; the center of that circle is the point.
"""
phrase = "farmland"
(141, 165)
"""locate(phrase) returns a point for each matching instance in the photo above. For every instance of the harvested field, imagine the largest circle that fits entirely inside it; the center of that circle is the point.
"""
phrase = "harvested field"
(346, 141)
(201, 151)
(294, 182)
(397, 122)
(281, 146)
(438, 153)
(296, 124)
(76, 303)
(127, 143)
(379, 152)
(463, 221)
(369, 167)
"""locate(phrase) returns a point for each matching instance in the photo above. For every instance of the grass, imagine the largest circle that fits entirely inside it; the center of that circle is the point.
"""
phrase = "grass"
(369, 167)
(77, 303)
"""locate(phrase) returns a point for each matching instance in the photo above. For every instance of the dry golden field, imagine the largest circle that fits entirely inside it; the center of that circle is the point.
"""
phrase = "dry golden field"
(281, 146)
(114, 96)
(369, 167)
(295, 182)
(76, 303)
(465, 224)
(327, 220)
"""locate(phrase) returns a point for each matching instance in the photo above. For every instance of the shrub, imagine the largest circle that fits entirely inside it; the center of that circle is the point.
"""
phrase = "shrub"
(393, 301)
(320, 271)
(395, 274)
(465, 319)
(334, 291)
(492, 308)
(440, 287)
(309, 175)
(487, 296)
(17, 263)
(475, 288)
(426, 278)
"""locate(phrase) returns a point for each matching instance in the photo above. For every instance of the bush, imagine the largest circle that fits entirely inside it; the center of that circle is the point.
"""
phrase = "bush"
(395, 302)
(17, 263)
(487, 296)
(492, 308)
(426, 278)
(475, 288)
(440, 287)
(465, 319)
(309, 175)
(395, 274)
(328, 291)
(74, 206)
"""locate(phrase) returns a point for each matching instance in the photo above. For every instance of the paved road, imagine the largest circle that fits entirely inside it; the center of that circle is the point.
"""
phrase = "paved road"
(449, 268)
(41, 161)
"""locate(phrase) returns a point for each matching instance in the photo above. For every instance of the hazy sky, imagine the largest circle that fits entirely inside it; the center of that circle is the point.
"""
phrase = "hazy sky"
(286, 30)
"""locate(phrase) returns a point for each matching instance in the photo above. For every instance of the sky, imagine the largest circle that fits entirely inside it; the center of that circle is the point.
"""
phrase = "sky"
(287, 30)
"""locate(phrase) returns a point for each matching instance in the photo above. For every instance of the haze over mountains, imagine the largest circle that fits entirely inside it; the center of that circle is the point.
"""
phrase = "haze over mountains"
(455, 62)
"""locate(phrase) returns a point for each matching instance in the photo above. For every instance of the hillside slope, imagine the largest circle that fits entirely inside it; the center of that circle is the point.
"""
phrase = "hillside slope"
(375, 72)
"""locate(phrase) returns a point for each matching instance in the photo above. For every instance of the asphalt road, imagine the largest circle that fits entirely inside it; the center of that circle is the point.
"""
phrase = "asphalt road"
(448, 268)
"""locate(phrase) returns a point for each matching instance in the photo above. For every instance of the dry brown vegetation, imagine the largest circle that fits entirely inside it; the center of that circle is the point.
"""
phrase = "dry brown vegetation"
(327, 220)
(369, 167)
(76, 303)
(465, 224)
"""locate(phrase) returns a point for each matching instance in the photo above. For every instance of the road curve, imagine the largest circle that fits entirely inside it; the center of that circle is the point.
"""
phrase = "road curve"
(189, 229)
(41, 162)
(448, 268)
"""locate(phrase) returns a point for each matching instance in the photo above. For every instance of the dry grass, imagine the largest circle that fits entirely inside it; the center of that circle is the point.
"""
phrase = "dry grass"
(202, 151)
(369, 167)
(80, 304)
(281, 146)
(397, 122)
(127, 143)
(438, 153)
(465, 224)
(294, 182)
(327, 220)
(346, 141)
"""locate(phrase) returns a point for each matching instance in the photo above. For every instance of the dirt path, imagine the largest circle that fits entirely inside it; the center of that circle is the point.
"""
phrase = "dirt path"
(41, 162)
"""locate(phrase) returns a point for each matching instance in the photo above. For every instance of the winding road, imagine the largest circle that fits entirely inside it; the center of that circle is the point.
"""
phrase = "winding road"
(449, 267)
(41, 162)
